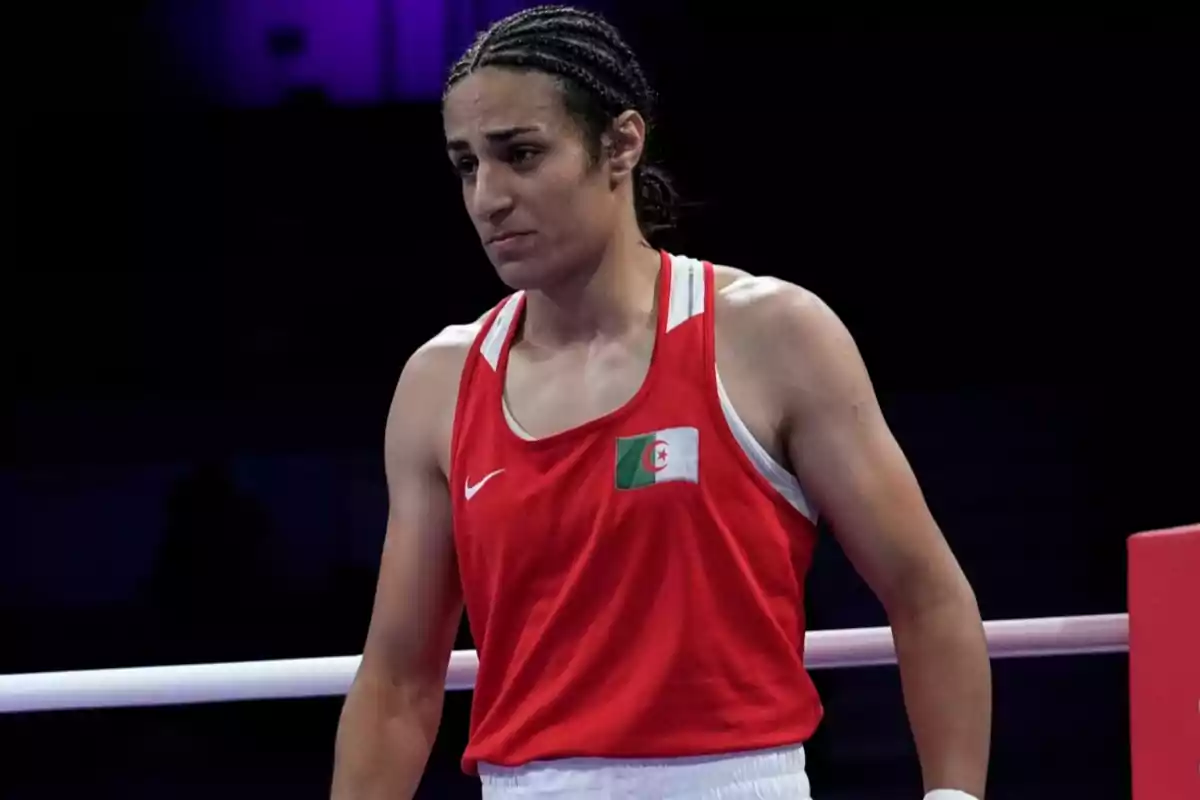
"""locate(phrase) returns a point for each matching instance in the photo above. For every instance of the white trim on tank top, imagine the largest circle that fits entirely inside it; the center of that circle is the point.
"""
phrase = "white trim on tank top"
(687, 291)
(686, 301)
(772, 471)
(493, 343)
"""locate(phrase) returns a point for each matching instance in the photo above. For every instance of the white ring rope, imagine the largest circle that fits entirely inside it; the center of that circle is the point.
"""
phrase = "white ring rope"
(323, 677)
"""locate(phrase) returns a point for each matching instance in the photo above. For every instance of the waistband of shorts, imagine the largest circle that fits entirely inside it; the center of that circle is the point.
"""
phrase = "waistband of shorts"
(583, 774)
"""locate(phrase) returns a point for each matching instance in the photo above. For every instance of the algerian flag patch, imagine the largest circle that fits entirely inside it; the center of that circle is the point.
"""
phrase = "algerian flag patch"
(659, 457)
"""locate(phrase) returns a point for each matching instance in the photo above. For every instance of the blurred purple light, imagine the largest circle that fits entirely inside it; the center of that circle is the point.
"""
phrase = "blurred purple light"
(341, 55)
(353, 51)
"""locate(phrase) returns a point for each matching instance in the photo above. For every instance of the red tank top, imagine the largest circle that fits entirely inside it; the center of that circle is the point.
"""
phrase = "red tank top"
(634, 585)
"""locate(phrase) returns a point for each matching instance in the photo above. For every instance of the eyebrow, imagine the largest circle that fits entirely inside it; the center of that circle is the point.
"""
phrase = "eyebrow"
(500, 136)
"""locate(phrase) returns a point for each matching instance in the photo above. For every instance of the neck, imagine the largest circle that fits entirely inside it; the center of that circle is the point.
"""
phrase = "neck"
(602, 300)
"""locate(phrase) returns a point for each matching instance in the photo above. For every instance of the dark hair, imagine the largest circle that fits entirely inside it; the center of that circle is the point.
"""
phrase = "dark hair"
(600, 77)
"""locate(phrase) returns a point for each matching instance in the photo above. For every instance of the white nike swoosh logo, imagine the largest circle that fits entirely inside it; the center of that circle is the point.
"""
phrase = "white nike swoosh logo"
(470, 490)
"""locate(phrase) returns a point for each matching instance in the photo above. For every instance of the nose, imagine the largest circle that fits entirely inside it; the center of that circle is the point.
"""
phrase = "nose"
(491, 195)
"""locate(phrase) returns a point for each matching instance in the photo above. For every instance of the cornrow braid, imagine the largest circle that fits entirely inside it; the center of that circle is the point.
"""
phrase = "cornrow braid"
(600, 76)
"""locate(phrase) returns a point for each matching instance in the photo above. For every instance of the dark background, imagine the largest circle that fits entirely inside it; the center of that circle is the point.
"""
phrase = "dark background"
(208, 302)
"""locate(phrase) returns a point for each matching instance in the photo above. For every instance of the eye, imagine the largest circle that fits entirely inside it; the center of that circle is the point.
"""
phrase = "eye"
(464, 166)
(523, 154)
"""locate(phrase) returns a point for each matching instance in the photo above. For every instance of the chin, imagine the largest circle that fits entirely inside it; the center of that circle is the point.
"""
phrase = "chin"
(524, 273)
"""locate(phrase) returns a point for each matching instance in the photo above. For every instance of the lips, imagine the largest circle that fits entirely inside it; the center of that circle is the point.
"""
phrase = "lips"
(500, 238)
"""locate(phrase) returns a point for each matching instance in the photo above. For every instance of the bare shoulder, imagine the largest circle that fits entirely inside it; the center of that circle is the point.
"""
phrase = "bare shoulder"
(791, 335)
(439, 361)
(421, 416)
(764, 306)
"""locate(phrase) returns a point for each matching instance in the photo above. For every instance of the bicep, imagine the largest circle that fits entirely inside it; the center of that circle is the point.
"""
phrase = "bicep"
(418, 599)
(852, 466)
(863, 485)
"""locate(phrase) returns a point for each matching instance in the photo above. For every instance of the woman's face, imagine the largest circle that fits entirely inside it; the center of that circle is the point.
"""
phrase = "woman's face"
(538, 199)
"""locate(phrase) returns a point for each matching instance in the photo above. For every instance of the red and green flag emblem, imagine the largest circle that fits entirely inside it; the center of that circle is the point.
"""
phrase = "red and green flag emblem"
(672, 454)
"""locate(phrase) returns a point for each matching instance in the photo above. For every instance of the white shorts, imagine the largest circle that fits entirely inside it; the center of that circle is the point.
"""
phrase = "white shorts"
(775, 774)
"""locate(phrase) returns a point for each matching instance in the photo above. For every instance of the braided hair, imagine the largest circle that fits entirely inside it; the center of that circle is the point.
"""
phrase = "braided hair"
(600, 77)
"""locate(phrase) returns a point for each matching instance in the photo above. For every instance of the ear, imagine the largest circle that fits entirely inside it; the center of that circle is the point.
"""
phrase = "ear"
(624, 144)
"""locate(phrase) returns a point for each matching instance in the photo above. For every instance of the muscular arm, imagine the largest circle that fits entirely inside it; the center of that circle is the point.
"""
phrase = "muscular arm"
(392, 711)
(852, 467)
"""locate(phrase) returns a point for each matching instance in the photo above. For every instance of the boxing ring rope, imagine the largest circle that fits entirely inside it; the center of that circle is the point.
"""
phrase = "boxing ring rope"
(322, 677)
